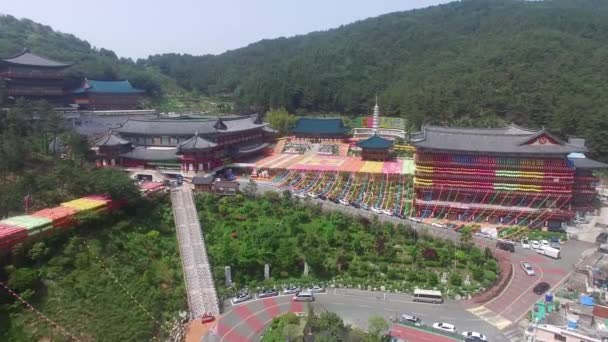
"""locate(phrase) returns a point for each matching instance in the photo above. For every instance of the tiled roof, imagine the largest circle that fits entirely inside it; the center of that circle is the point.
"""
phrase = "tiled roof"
(375, 142)
(198, 180)
(25, 57)
(108, 87)
(196, 143)
(187, 127)
(110, 139)
(586, 163)
(510, 139)
(319, 126)
(150, 154)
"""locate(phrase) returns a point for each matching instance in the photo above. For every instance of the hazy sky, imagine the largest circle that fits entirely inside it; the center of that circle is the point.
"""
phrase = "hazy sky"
(138, 28)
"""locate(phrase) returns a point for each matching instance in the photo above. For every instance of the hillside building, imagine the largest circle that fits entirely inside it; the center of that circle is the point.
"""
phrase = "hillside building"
(510, 175)
(376, 148)
(107, 95)
(32, 76)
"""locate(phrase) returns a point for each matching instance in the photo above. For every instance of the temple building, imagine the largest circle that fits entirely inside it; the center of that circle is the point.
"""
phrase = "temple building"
(107, 95)
(320, 128)
(189, 145)
(32, 76)
(376, 148)
(510, 175)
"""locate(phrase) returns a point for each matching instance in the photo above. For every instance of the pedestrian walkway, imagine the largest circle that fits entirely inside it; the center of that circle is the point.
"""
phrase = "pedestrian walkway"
(200, 287)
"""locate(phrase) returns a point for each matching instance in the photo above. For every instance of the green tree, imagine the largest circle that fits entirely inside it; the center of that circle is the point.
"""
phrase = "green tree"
(377, 325)
(281, 120)
(115, 183)
(250, 188)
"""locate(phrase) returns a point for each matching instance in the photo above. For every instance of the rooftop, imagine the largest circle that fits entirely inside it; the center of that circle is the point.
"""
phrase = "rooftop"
(179, 127)
(26, 58)
(107, 87)
(509, 139)
(110, 139)
(320, 126)
(196, 143)
(375, 142)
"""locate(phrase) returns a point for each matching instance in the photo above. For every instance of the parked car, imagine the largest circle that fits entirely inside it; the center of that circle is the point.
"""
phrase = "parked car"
(437, 225)
(602, 237)
(451, 226)
(473, 339)
(241, 297)
(544, 243)
(304, 296)
(445, 327)
(554, 242)
(291, 290)
(527, 268)
(316, 289)
(415, 219)
(267, 293)
(541, 288)
(525, 244)
(480, 336)
(534, 244)
(410, 319)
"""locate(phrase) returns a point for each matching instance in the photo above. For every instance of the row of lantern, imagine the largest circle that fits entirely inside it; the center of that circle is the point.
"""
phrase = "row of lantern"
(495, 179)
(493, 186)
(498, 173)
(544, 168)
(469, 159)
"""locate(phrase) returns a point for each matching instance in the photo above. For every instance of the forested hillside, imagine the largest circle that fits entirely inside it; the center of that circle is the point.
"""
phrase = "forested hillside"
(17, 34)
(476, 62)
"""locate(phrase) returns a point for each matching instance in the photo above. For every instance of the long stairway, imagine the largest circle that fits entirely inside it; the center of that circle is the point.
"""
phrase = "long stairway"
(200, 288)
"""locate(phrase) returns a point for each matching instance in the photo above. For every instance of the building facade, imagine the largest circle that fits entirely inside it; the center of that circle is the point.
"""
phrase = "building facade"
(29, 75)
(188, 145)
(107, 95)
(509, 175)
(376, 148)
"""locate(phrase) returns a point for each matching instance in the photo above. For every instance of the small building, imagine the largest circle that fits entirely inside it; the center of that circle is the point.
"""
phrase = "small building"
(107, 95)
(109, 148)
(320, 128)
(35, 77)
(226, 187)
(551, 333)
(376, 148)
(202, 183)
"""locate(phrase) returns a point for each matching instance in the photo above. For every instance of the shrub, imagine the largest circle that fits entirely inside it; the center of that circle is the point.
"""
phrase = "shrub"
(455, 279)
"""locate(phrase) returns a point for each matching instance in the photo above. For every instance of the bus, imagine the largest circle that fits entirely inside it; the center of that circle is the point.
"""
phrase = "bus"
(429, 296)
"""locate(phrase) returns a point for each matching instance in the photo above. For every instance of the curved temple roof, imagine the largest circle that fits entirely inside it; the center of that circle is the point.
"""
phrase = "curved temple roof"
(110, 139)
(375, 142)
(196, 143)
(188, 127)
(26, 58)
(510, 139)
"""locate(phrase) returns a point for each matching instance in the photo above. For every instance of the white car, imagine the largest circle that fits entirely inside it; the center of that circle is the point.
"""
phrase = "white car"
(387, 212)
(544, 243)
(527, 268)
(376, 210)
(316, 289)
(534, 244)
(444, 327)
(415, 219)
(474, 334)
(291, 290)
(437, 225)
(525, 244)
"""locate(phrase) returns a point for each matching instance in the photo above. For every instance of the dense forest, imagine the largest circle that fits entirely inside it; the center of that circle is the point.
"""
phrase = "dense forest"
(476, 62)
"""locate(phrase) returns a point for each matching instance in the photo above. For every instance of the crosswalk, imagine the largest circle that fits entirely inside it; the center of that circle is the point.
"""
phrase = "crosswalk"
(510, 330)
(490, 317)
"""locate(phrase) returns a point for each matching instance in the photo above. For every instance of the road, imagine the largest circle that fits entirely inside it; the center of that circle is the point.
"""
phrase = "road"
(246, 321)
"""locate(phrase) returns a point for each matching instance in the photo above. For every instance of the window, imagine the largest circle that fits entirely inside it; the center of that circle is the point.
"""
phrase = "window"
(559, 337)
(156, 141)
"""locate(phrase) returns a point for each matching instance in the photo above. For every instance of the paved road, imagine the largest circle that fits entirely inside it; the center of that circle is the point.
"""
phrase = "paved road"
(246, 321)
(200, 288)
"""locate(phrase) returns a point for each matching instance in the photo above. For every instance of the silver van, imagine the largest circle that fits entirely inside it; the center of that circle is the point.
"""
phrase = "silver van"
(304, 296)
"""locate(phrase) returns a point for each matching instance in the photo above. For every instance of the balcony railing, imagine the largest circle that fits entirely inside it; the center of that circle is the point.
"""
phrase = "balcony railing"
(17, 91)
(31, 74)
